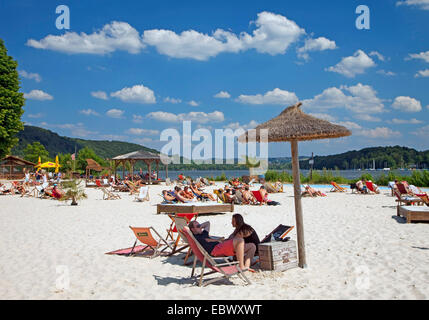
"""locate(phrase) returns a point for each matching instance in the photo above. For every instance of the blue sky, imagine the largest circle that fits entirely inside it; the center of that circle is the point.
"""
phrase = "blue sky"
(128, 70)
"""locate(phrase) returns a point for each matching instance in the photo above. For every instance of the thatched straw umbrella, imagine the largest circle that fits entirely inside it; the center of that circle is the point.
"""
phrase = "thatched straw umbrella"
(294, 125)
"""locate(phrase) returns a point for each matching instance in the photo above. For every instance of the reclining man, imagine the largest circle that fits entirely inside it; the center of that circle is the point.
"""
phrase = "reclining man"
(220, 247)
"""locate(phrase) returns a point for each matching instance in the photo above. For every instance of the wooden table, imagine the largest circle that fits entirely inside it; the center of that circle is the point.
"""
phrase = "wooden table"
(200, 208)
(414, 213)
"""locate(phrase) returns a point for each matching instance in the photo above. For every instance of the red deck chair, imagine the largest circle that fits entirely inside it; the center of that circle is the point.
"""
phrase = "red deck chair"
(370, 186)
(257, 195)
(226, 268)
(401, 188)
(144, 235)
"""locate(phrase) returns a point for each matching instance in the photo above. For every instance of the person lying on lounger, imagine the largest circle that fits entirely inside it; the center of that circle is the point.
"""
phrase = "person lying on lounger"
(360, 186)
(57, 193)
(168, 196)
(248, 196)
(229, 196)
(265, 200)
(203, 195)
(179, 194)
(312, 192)
(223, 248)
(187, 193)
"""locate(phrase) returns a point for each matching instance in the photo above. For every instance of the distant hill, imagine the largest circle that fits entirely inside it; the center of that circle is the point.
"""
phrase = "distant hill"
(55, 143)
(380, 157)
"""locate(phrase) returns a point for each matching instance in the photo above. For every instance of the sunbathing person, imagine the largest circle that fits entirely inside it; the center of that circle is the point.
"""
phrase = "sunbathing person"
(360, 186)
(264, 196)
(168, 197)
(221, 248)
(312, 192)
(228, 196)
(57, 193)
(5, 190)
(188, 193)
(248, 196)
(201, 194)
(179, 194)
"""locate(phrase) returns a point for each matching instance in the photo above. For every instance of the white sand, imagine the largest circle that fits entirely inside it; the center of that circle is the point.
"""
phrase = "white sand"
(356, 249)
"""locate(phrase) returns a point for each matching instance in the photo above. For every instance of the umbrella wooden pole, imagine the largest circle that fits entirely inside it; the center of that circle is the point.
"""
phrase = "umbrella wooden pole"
(298, 207)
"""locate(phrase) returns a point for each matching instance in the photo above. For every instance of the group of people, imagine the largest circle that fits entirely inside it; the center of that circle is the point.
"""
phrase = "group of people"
(241, 243)
(241, 194)
(362, 186)
(191, 193)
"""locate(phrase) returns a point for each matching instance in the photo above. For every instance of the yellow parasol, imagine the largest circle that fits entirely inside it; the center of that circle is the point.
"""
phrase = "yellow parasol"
(57, 164)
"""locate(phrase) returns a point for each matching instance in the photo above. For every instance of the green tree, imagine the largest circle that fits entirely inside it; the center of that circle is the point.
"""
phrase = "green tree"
(11, 102)
(35, 150)
(66, 162)
(87, 153)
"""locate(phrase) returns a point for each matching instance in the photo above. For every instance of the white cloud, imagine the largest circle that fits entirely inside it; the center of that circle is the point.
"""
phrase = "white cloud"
(35, 116)
(323, 116)
(422, 56)
(362, 99)
(198, 117)
(236, 125)
(137, 118)
(28, 75)
(349, 125)
(38, 95)
(274, 33)
(112, 37)
(115, 113)
(386, 73)
(406, 104)
(138, 93)
(276, 96)
(139, 131)
(89, 112)
(405, 121)
(422, 73)
(378, 133)
(353, 65)
(422, 132)
(99, 95)
(421, 4)
(172, 100)
(319, 44)
(367, 117)
(222, 95)
(193, 103)
(378, 55)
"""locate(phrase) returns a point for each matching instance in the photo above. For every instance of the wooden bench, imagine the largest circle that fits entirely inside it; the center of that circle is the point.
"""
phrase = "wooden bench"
(195, 208)
(414, 213)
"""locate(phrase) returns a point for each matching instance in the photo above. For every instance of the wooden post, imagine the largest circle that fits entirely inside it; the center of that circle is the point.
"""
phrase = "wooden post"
(157, 169)
(298, 207)
(132, 170)
(166, 171)
(123, 169)
(150, 172)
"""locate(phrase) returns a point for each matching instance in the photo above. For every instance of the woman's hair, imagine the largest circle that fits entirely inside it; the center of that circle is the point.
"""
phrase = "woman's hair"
(240, 226)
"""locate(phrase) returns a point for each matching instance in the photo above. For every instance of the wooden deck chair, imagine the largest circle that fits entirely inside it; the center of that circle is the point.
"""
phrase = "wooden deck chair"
(225, 267)
(337, 188)
(257, 195)
(132, 187)
(108, 195)
(143, 194)
(406, 199)
(424, 197)
(144, 235)
(270, 188)
(239, 197)
(219, 195)
(401, 188)
(370, 187)
(178, 221)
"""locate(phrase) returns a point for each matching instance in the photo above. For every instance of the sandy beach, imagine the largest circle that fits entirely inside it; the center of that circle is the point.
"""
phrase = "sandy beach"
(356, 249)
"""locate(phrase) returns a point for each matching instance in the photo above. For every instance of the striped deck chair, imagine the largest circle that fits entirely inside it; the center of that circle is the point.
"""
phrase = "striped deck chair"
(219, 195)
(144, 235)
(227, 268)
(178, 222)
(270, 188)
(424, 197)
(108, 195)
(337, 188)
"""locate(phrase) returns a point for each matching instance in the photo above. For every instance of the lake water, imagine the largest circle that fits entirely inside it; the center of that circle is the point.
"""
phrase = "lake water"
(349, 174)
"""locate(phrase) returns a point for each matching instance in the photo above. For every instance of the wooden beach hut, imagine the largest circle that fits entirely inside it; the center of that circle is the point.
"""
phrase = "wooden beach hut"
(142, 155)
(294, 125)
(12, 167)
